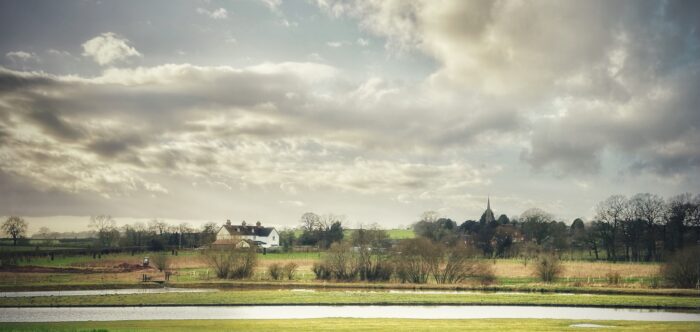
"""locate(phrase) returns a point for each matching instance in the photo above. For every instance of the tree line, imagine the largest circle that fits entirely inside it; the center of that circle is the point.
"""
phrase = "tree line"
(154, 235)
(644, 227)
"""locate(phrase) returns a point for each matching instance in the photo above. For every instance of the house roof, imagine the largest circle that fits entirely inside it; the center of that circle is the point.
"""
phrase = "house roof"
(239, 230)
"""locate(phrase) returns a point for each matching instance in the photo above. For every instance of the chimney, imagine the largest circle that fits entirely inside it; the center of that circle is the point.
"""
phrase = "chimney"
(243, 223)
(258, 224)
(228, 222)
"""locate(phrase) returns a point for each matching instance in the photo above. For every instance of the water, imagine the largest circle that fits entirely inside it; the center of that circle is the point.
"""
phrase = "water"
(105, 292)
(296, 312)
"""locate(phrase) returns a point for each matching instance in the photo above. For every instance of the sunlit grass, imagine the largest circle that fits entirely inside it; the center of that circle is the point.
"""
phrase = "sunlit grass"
(245, 297)
(348, 324)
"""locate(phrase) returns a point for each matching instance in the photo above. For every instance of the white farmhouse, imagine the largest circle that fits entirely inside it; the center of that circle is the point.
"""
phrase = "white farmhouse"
(235, 235)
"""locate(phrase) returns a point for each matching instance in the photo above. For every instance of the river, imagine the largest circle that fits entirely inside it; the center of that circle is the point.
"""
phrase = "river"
(325, 311)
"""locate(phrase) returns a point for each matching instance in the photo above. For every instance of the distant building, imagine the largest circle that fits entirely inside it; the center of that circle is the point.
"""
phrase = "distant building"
(243, 236)
(487, 217)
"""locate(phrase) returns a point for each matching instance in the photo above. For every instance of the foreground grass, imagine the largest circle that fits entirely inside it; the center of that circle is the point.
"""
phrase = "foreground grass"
(346, 324)
(305, 297)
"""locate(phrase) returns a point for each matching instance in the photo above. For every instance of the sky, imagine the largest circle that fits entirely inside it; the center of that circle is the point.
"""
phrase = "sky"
(197, 111)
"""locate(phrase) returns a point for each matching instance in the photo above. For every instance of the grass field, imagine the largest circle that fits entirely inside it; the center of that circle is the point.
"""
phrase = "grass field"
(399, 234)
(287, 296)
(346, 324)
(190, 266)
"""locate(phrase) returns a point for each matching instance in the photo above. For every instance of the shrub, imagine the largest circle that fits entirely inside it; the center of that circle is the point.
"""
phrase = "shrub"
(290, 269)
(244, 264)
(232, 264)
(654, 282)
(342, 261)
(321, 271)
(459, 264)
(161, 261)
(683, 269)
(275, 271)
(219, 261)
(380, 270)
(614, 278)
(414, 260)
(548, 267)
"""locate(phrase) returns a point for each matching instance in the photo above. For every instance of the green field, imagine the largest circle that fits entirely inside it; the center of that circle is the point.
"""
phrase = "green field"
(347, 324)
(394, 234)
(398, 234)
(248, 297)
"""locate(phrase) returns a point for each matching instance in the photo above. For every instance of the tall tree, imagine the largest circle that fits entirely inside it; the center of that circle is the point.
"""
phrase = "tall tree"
(609, 212)
(15, 227)
(105, 226)
(310, 221)
(535, 225)
(651, 209)
(680, 209)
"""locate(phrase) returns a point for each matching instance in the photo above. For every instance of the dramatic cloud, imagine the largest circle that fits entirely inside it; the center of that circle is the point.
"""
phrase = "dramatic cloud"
(262, 125)
(607, 77)
(108, 48)
(375, 109)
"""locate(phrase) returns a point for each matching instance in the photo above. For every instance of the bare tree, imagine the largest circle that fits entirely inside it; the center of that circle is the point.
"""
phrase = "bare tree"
(15, 227)
(105, 226)
(651, 209)
(102, 223)
(161, 261)
(415, 259)
(232, 264)
(610, 212)
(310, 221)
(157, 226)
(43, 233)
(460, 264)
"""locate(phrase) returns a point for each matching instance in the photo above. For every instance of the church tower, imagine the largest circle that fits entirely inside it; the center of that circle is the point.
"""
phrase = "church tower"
(487, 217)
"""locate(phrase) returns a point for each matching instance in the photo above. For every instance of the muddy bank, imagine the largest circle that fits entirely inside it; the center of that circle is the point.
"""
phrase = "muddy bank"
(119, 268)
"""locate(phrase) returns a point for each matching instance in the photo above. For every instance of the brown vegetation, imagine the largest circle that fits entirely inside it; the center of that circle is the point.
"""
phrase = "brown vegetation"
(683, 270)
(548, 267)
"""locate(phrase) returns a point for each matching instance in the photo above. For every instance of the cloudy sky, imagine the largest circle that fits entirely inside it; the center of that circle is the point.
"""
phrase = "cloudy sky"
(376, 110)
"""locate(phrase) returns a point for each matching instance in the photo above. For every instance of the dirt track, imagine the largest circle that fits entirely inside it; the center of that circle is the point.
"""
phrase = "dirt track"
(123, 267)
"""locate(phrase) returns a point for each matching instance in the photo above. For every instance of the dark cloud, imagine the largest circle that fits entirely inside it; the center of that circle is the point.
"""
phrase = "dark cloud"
(54, 125)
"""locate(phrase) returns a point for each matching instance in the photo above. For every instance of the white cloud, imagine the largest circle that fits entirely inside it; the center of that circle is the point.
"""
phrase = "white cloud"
(217, 14)
(289, 24)
(362, 42)
(21, 56)
(108, 48)
(624, 74)
(337, 44)
(272, 5)
(315, 57)
(58, 52)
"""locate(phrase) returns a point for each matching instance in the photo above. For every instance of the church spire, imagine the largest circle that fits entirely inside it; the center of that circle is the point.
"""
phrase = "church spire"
(488, 203)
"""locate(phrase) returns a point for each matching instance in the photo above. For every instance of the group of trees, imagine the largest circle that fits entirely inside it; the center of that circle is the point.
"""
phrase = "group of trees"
(154, 235)
(320, 230)
(643, 227)
(417, 260)
(640, 228)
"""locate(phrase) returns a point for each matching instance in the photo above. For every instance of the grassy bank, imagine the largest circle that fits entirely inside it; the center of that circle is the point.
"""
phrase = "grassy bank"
(60, 282)
(306, 297)
(338, 324)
